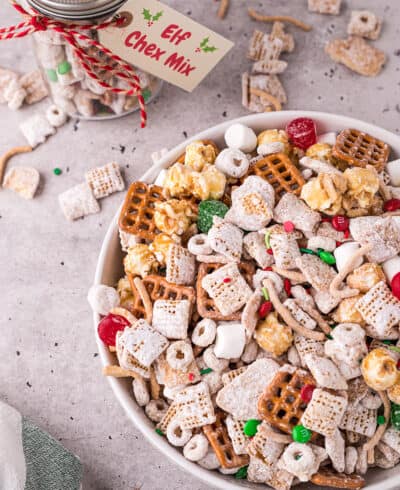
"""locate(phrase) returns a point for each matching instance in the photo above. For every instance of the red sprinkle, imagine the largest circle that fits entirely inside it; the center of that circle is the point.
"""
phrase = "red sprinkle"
(307, 392)
(269, 251)
(338, 244)
(346, 234)
(109, 326)
(287, 286)
(264, 309)
(395, 285)
(340, 223)
(227, 279)
(398, 364)
(267, 269)
(326, 220)
(191, 376)
(392, 205)
(288, 226)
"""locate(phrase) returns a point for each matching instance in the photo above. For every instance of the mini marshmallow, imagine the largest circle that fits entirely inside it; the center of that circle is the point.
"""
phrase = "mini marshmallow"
(270, 148)
(232, 162)
(391, 267)
(344, 253)
(102, 298)
(329, 138)
(241, 137)
(393, 169)
(230, 341)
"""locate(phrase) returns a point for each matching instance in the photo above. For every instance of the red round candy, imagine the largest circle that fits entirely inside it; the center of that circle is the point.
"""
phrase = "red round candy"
(270, 251)
(288, 226)
(306, 393)
(287, 286)
(340, 223)
(302, 132)
(392, 205)
(109, 326)
(264, 309)
(395, 285)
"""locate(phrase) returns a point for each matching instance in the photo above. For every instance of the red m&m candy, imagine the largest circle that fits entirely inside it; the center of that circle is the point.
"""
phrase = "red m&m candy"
(392, 205)
(109, 326)
(307, 392)
(395, 285)
(302, 132)
(264, 309)
(340, 223)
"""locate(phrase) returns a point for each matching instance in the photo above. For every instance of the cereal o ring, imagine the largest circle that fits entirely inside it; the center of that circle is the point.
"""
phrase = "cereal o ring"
(179, 355)
(198, 245)
(197, 448)
(204, 333)
(210, 461)
(298, 458)
(232, 162)
(140, 392)
(212, 360)
(176, 435)
(56, 116)
(156, 409)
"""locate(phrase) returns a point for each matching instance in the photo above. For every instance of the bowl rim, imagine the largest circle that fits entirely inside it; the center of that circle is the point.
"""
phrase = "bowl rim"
(126, 400)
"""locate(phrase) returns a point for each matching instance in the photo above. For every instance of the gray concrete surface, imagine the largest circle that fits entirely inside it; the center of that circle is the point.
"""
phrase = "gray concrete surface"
(48, 360)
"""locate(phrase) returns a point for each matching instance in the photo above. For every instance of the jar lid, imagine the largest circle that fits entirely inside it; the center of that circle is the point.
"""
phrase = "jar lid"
(76, 9)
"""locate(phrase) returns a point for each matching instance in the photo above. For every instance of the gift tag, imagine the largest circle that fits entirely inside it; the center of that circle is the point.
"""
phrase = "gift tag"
(165, 43)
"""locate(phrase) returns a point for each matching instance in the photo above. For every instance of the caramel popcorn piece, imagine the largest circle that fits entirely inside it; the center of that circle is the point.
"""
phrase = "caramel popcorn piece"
(160, 246)
(215, 182)
(173, 216)
(273, 336)
(198, 155)
(347, 313)
(379, 370)
(365, 277)
(274, 136)
(362, 185)
(177, 180)
(325, 193)
(140, 260)
(320, 151)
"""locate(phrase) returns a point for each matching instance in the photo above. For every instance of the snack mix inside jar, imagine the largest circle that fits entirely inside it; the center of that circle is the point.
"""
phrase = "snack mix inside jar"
(70, 86)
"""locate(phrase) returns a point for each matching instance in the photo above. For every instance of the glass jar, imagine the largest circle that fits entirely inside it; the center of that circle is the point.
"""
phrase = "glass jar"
(69, 85)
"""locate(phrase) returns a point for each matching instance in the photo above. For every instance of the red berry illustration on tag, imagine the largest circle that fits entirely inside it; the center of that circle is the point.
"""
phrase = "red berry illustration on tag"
(147, 15)
(205, 47)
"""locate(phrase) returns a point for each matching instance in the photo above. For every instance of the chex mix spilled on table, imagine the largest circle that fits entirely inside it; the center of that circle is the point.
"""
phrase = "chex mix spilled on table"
(259, 312)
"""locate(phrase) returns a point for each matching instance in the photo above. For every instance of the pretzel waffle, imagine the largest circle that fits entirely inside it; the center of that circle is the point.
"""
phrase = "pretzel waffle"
(158, 288)
(205, 305)
(137, 214)
(329, 478)
(360, 149)
(218, 437)
(281, 404)
(280, 172)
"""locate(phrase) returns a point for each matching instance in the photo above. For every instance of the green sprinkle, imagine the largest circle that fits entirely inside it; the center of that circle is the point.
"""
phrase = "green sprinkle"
(159, 432)
(250, 427)
(301, 434)
(64, 67)
(334, 325)
(327, 257)
(242, 473)
(267, 241)
(205, 371)
(387, 342)
(146, 94)
(394, 348)
(307, 251)
(57, 171)
(329, 336)
(52, 75)
(265, 293)
(380, 420)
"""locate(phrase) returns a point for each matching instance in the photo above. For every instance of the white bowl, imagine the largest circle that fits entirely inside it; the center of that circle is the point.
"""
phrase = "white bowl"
(108, 272)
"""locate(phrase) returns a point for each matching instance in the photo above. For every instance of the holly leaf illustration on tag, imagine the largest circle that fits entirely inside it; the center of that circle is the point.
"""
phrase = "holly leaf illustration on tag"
(157, 15)
(205, 47)
(146, 14)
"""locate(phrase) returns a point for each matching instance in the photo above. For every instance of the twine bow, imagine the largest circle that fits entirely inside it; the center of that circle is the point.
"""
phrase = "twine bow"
(35, 22)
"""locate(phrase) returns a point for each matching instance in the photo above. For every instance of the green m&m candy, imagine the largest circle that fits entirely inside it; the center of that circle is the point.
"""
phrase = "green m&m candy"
(395, 416)
(250, 427)
(207, 210)
(52, 75)
(241, 474)
(146, 94)
(301, 434)
(64, 67)
(327, 257)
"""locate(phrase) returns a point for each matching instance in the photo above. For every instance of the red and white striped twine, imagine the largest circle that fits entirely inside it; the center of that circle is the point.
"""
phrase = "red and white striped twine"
(36, 22)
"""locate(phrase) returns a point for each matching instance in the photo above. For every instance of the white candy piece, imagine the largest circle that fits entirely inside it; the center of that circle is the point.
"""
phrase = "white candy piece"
(161, 178)
(391, 267)
(36, 129)
(344, 253)
(329, 138)
(56, 116)
(270, 148)
(232, 162)
(241, 137)
(230, 340)
(22, 180)
(102, 298)
(393, 169)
